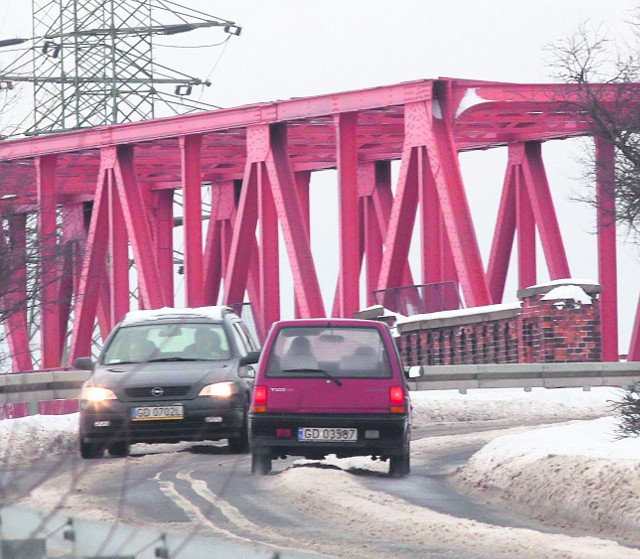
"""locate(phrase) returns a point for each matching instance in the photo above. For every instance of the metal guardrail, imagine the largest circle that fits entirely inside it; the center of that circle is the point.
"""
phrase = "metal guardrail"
(39, 386)
(65, 384)
(523, 375)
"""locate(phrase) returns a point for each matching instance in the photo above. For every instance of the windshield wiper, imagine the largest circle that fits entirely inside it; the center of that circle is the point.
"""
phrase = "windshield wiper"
(309, 370)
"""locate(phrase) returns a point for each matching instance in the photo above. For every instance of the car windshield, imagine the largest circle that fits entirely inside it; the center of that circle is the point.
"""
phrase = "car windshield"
(168, 342)
(341, 352)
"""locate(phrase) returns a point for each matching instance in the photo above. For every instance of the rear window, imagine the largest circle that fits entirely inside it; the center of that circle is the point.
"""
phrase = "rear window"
(149, 342)
(344, 352)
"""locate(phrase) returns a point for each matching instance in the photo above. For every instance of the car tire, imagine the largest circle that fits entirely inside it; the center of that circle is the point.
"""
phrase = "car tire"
(240, 444)
(119, 449)
(400, 466)
(260, 463)
(89, 451)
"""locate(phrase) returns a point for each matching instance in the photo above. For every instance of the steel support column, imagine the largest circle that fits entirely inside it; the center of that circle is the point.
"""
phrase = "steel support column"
(50, 335)
(347, 160)
(190, 151)
(607, 250)
(163, 236)
(371, 230)
(526, 229)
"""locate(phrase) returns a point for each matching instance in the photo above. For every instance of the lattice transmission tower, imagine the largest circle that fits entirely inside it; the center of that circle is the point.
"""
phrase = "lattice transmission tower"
(91, 62)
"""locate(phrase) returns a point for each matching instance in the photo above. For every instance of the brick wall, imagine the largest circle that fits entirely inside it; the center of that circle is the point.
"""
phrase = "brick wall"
(555, 322)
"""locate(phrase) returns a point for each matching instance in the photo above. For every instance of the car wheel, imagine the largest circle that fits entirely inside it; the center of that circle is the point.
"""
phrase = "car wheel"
(260, 463)
(120, 448)
(91, 450)
(240, 444)
(400, 466)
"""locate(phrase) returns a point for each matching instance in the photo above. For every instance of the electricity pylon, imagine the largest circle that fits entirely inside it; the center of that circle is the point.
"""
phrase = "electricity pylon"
(91, 62)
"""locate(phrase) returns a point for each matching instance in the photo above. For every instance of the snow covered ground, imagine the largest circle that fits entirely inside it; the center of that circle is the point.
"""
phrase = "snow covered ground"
(572, 474)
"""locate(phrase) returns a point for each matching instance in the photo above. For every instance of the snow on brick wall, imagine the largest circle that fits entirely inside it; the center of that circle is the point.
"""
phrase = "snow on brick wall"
(550, 325)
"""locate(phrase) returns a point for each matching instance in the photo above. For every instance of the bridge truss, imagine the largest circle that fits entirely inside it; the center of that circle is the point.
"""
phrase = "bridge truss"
(107, 193)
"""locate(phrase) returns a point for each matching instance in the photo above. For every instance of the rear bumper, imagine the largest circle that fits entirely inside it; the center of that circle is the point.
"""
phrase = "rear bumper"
(381, 435)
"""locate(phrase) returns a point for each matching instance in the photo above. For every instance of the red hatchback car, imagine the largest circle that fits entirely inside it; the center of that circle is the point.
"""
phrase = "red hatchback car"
(330, 386)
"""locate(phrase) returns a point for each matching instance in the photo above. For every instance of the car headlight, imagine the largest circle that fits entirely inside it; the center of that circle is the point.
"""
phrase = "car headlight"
(220, 390)
(97, 394)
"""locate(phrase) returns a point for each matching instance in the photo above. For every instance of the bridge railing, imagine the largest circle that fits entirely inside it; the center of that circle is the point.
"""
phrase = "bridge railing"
(56, 391)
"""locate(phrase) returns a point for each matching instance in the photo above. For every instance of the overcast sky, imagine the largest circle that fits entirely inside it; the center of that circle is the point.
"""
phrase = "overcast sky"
(297, 48)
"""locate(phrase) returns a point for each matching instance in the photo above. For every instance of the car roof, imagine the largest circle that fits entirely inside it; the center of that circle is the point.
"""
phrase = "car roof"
(337, 322)
(215, 313)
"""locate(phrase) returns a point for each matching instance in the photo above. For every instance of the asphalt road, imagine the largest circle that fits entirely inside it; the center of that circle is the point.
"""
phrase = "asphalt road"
(205, 491)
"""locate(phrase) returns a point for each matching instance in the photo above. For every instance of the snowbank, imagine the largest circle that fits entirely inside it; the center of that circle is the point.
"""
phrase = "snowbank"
(576, 473)
(30, 439)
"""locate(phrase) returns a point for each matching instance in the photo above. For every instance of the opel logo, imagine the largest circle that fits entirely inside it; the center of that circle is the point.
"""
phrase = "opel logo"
(157, 391)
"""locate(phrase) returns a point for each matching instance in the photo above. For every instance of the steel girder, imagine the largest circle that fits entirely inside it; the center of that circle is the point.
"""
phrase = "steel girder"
(258, 162)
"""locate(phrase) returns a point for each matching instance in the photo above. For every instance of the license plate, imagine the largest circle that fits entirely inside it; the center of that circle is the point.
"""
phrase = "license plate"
(327, 434)
(150, 413)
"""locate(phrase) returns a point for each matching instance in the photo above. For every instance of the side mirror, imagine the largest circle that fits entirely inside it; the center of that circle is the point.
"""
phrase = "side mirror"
(247, 372)
(413, 371)
(84, 363)
(250, 358)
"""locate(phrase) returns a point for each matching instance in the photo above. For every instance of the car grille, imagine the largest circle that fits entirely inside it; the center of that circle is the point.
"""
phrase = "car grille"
(147, 392)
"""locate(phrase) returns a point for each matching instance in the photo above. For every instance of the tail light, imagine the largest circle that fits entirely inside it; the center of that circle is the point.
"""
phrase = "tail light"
(259, 399)
(396, 399)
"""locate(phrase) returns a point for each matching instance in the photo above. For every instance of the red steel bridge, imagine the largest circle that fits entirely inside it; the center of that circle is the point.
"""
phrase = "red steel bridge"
(110, 190)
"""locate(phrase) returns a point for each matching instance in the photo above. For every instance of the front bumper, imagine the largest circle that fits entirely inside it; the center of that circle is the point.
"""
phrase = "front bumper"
(381, 435)
(111, 422)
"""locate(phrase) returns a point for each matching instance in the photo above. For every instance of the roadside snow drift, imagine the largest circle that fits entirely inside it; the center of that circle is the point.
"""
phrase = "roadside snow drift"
(578, 473)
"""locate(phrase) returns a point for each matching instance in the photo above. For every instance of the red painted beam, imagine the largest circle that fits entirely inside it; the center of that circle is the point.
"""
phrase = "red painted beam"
(15, 297)
(349, 275)
(93, 268)
(607, 249)
(190, 150)
(503, 234)
(163, 237)
(290, 216)
(50, 341)
(269, 253)
(544, 212)
(151, 294)
(118, 257)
